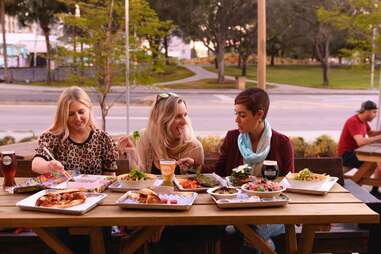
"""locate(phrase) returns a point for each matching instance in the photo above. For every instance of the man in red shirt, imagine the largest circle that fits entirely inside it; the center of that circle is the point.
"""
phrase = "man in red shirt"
(357, 132)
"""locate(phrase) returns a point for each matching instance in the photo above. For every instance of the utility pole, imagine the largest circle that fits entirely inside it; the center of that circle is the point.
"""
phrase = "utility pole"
(261, 61)
(127, 63)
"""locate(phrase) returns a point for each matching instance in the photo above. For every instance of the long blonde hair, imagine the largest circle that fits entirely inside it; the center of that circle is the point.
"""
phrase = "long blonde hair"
(158, 130)
(69, 95)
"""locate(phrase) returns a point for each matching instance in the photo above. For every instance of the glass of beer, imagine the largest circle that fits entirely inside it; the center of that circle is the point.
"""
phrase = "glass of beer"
(8, 165)
(270, 170)
(167, 168)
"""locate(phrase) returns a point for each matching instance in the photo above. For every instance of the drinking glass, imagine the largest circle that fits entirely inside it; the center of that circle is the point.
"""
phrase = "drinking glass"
(167, 168)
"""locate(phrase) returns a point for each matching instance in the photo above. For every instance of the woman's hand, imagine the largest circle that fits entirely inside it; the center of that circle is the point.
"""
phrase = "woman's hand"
(185, 164)
(56, 166)
(125, 142)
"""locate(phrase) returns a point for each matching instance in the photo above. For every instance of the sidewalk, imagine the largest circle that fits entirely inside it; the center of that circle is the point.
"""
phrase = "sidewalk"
(201, 73)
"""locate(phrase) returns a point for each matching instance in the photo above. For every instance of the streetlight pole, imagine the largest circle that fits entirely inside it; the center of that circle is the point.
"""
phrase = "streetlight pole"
(261, 55)
(127, 63)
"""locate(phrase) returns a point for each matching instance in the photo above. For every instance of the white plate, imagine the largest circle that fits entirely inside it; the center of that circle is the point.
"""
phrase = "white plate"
(320, 190)
(123, 186)
(184, 201)
(300, 184)
(91, 183)
(223, 196)
(245, 201)
(92, 199)
(199, 189)
(262, 194)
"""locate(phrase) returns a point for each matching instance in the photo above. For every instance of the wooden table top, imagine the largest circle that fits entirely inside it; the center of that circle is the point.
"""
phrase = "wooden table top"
(338, 206)
(374, 148)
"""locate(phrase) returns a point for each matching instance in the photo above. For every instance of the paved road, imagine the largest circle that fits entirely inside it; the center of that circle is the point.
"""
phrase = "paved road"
(298, 115)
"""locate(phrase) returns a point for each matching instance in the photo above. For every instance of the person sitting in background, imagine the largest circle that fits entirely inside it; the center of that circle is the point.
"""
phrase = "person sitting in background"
(253, 142)
(357, 132)
(169, 135)
(74, 141)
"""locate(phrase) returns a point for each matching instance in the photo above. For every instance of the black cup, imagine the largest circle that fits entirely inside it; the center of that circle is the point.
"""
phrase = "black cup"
(270, 170)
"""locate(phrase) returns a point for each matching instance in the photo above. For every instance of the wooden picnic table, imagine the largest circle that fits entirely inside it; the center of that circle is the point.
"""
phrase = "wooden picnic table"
(313, 212)
(370, 154)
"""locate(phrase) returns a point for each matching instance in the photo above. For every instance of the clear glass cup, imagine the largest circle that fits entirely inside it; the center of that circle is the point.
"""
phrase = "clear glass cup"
(167, 168)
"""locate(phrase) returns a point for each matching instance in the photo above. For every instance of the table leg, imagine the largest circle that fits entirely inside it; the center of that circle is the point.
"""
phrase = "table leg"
(133, 242)
(97, 245)
(254, 239)
(308, 235)
(366, 170)
(292, 247)
(52, 241)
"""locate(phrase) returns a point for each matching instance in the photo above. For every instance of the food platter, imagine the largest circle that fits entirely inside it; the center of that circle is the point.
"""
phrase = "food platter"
(181, 182)
(246, 201)
(163, 201)
(92, 200)
(322, 189)
(89, 183)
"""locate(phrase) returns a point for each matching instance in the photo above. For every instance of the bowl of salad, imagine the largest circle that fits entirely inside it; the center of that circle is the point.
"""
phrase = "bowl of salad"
(306, 179)
(263, 188)
(222, 192)
(137, 179)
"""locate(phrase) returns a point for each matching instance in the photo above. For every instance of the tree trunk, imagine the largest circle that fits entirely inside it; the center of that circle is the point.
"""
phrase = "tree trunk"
(272, 59)
(244, 66)
(82, 65)
(165, 43)
(215, 63)
(220, 61)
(2, 14)
(48, 53)
(326, 63)
(239, 63)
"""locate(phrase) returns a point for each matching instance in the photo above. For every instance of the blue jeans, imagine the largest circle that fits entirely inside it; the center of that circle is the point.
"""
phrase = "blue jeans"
(266, 231)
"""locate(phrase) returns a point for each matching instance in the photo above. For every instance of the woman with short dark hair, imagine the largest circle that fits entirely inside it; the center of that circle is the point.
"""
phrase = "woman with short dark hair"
(253, 142)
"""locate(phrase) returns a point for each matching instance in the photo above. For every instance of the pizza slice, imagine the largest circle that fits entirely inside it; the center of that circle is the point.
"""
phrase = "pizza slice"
(62, 198)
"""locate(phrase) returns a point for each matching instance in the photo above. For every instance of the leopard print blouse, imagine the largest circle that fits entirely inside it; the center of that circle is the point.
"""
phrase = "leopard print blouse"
(98, 154)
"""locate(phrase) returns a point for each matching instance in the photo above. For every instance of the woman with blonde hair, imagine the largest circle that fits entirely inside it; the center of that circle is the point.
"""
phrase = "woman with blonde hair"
(169, 135)
(73, 142)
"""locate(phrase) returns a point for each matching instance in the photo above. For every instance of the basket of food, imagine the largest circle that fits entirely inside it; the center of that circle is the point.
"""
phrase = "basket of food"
(306, 179)
(137, 179)
(241, 175)
(221, 192)
(263, 188)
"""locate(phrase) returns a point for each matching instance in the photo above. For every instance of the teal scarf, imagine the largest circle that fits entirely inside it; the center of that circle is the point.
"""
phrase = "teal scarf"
(263, 148)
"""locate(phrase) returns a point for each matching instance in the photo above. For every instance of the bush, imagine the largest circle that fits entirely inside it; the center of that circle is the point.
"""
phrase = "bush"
(7, 140)
(323, 146)
(28, 139)
(211, 144)
(299, 146)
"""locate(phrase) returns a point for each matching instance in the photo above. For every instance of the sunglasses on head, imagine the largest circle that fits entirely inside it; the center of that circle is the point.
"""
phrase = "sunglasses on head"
(165, 96)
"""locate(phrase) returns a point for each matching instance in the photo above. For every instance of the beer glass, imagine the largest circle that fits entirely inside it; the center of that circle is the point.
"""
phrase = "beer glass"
(270, 170)
(8, 165)
(167, 168)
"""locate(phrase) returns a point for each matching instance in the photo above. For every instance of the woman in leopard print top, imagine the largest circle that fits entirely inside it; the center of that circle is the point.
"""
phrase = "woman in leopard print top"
(74, 141)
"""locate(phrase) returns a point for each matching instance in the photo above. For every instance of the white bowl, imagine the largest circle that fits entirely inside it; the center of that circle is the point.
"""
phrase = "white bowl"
(262, 194)
(300, 184)
(211, 191)
(140, 184)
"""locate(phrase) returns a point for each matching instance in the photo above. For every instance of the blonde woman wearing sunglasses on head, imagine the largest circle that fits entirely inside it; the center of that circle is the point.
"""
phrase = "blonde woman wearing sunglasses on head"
(169, 135)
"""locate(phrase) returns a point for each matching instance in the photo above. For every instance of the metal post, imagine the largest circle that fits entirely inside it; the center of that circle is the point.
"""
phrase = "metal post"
(127, 63)
(373, 58)
(378, 127)
(261, 61)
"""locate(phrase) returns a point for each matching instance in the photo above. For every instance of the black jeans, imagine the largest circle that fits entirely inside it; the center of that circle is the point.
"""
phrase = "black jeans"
(350, 160)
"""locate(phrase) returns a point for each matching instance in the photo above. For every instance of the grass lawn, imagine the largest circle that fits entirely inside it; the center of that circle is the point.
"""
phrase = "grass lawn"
(202, 84)
(171, 73)
(355, 77)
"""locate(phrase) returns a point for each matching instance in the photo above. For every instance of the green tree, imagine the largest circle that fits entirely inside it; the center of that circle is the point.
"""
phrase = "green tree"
(102, 31)
(44, 13)
(6, 7)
